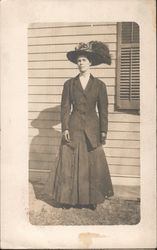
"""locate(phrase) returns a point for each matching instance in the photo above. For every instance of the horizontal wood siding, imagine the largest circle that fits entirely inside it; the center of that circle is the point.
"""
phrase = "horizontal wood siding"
(48, 69)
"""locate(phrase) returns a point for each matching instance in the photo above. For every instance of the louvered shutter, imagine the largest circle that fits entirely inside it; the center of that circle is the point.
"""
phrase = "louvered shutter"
(128, 66)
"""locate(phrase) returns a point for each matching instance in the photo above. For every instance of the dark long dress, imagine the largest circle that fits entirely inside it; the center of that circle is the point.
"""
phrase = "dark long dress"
(81, 175)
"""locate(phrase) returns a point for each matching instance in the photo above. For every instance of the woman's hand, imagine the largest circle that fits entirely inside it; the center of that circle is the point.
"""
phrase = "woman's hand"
(103, 138)
(66, 135)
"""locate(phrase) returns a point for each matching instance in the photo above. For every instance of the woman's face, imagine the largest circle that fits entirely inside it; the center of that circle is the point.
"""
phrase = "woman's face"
(83, 63)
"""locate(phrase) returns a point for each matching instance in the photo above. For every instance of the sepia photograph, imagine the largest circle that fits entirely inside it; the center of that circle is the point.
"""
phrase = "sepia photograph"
(84, 123)
(78, 124)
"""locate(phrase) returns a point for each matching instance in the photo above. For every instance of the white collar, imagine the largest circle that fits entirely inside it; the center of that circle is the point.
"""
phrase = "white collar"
(84, 77)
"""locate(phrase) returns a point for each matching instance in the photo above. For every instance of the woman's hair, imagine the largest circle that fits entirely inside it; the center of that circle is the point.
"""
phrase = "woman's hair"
(85, 55)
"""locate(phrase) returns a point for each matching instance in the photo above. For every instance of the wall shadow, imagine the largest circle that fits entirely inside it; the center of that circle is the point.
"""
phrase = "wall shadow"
(44, 147)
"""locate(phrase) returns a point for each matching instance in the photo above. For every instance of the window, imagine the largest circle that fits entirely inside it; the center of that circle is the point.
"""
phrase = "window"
(128, 67)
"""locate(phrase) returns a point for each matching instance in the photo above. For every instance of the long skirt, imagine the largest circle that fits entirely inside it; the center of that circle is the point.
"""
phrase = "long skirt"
(81, 174)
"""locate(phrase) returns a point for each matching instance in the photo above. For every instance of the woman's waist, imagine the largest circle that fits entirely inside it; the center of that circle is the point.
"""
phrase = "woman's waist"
(84, 111)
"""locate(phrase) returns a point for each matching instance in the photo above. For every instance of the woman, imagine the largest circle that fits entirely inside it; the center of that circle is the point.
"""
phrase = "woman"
(82, 176)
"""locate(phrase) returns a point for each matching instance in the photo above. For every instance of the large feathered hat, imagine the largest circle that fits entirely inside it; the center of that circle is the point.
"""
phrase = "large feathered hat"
(97, 52)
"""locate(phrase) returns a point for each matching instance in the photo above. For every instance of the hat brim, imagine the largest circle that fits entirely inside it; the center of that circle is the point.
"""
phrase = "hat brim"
(95, 58)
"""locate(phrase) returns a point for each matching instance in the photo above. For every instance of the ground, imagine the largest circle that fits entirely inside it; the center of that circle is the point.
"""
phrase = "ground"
(122, 209)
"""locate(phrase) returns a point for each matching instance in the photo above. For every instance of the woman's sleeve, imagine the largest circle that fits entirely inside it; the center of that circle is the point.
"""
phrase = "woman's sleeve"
(65, 107)
(103, 107)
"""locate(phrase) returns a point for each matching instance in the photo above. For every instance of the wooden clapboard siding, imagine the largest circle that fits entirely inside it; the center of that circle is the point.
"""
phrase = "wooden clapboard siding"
(48, 152)
(68, 72)
(119, 135)
(56, 82)
(118, 162)
(52, 52)
(54, 98)
(48, 69)
(69, 30)
(114, 117)
(74, 39)
(124, 171)
(38, 106)
(36, 54)
(118, 126)
(109, 143)
(57, 90)
(45, 165)
(67, 25)
(60, 65)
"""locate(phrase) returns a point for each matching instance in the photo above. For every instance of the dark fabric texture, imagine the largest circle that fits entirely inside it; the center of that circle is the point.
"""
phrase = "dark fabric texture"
(81, 175)
(83, 104)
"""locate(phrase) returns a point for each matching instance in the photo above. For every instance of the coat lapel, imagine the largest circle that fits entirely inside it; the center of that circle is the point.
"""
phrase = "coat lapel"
(79, 86)
(89, 85)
